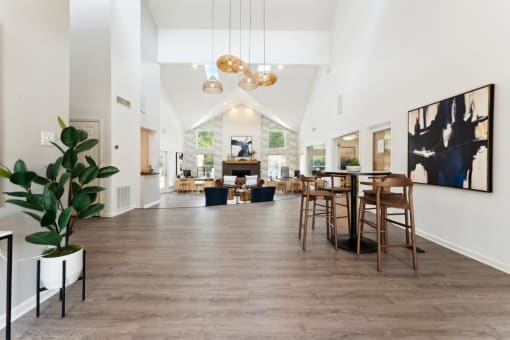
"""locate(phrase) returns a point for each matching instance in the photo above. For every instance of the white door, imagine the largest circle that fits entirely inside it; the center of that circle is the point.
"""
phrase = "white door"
(93, 128)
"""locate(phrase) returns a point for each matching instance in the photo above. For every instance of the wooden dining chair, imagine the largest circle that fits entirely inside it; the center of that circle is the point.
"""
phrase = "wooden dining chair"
(311, 194)
(402, 200)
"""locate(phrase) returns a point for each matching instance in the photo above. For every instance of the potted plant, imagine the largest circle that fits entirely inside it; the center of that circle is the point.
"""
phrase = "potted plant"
(66, 195)
(353, 165)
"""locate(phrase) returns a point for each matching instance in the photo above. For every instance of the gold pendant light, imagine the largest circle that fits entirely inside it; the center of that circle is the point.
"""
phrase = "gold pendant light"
(212, 85)
(265, 77)
(229, 63)
(248, 81)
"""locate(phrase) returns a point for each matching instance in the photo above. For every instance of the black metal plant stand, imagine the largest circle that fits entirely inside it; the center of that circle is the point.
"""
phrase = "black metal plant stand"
(62, 294)
(8, 289)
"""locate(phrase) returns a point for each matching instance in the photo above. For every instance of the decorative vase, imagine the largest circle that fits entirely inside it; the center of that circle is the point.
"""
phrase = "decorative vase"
(51, 269)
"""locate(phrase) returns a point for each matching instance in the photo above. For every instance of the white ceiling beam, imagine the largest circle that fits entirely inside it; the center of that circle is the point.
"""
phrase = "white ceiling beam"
(282, 47)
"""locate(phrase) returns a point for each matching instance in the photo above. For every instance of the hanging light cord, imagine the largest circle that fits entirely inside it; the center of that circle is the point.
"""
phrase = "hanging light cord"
(240, 28)
(264, 35)
(212, 34)
(230, 27)
(249, 41)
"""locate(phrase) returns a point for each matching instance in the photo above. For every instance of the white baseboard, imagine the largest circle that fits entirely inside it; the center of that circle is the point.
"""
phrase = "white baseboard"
(26, 306)
(504, 267)
(151, 204)
(116, 213)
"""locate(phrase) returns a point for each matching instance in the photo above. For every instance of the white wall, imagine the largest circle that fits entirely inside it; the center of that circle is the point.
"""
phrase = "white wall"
(34, 90)
(391, 56)
(172, 134)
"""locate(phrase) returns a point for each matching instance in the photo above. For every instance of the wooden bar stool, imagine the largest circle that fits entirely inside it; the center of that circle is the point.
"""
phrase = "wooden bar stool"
(383, 202)
(311, 193)
(338, 188)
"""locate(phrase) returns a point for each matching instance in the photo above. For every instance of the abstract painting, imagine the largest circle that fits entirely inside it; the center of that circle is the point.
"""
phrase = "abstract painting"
(179, 159)
(241, 146)
(450, 142)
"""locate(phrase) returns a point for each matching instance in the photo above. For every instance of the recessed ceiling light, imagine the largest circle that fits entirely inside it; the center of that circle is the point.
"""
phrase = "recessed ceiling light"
(280, 67)
(224, 103)
(350, 137)
(195, 66)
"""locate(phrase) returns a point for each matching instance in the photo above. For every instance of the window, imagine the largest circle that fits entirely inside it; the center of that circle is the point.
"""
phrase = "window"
(205, 165)
(348, 149)
(318, 163)
(275, 164)
(382, 150)
(276, 139)
(205, 139)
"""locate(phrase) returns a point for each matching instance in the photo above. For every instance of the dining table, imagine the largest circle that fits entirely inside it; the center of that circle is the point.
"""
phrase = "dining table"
(350, 242)
(7, 235)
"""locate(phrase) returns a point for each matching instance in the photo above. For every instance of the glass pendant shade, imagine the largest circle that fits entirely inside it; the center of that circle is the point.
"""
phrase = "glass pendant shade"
(229, 63)
(266, 78)
(212, 86)
(248, 81)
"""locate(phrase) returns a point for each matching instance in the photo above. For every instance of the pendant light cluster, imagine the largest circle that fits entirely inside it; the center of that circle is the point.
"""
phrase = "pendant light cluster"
(229, 63)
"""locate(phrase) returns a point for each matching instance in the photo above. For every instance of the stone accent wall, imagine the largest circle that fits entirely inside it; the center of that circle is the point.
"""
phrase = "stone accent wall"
(191, 150)
(290, 150)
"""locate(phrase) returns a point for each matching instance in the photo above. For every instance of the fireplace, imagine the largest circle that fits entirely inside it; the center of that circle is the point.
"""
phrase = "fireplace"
(241, 168)
(241, 173)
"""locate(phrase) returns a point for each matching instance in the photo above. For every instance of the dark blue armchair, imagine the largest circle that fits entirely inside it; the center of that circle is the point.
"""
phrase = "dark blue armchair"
(215, 196)
(262, 194)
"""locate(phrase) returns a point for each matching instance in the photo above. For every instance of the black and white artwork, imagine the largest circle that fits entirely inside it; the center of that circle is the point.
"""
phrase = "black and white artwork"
(179, 159)
(241, 146)
(450, 142)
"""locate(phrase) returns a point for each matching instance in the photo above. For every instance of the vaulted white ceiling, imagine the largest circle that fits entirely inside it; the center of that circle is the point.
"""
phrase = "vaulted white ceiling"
(284, 102)
(281, 14)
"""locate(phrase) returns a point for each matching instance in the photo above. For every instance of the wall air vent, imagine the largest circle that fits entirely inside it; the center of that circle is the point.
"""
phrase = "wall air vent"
(123, 101)
(123, 198)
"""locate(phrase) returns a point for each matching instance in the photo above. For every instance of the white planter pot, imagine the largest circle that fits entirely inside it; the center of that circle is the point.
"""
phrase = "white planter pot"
(353, 168)
(51, 269)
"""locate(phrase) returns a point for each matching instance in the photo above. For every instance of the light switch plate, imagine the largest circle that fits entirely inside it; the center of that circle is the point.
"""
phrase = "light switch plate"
(47, 138)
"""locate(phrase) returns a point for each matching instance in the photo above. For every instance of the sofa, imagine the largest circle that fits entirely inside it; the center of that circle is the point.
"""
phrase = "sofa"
(238, 182)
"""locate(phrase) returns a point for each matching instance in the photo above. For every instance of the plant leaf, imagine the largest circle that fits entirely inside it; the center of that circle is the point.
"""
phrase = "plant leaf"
(70, 136)
(81, 201)
(52, 171)
(63, 180)
(40, 180)
(58, 147)
(65, 216)
(49, 201)
(61, 123)
(91, 161)
(92, 190)
(25, 204)
(107, 171)
(86, 145)
(23, 178)
(4, 172)
(77, 170)
(48, 218)
(70, 159)
(91, 211)
(49, 238)
(89, 174)
(83, 135)
(75, 188)
(17, 194)
(34, 216)
(20, 166)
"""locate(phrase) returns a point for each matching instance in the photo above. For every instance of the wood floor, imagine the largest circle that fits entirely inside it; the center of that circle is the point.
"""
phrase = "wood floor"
(238, 272)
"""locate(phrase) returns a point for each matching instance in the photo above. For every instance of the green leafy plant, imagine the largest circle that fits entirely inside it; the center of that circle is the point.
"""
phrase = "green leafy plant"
(64, 176)
(353, 162)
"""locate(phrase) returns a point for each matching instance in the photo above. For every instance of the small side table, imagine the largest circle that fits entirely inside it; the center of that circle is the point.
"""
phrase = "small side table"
(8, 288)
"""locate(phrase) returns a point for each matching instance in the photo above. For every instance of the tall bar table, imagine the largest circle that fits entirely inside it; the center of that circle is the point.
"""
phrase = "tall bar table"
(349, 243)
(8, 287)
